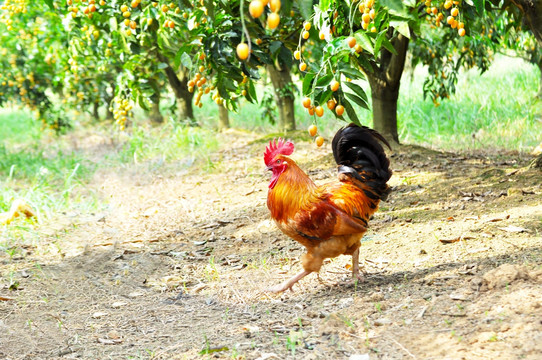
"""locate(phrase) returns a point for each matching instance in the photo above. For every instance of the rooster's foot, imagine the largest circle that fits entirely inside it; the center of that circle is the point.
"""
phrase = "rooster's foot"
(289, 283)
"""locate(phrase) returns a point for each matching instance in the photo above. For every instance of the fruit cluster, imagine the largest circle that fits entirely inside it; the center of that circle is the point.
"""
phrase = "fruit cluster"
(121, 112)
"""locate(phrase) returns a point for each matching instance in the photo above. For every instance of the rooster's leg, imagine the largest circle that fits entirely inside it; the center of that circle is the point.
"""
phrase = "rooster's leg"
(356, 274)
(289, 283)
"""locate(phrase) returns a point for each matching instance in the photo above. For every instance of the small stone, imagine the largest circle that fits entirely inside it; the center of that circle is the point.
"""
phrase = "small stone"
(382, 321)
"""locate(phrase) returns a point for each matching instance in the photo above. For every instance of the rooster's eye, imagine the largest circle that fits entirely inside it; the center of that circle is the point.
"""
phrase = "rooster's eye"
(278, 161)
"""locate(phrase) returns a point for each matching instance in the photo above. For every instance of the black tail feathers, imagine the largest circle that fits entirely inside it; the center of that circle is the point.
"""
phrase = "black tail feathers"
(360, 155)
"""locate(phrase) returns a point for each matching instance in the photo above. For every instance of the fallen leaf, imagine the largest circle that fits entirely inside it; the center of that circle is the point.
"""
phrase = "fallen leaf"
(199, 287)
(99, 314)
(514, 229)
(150, 211)
(359, 357)
(135, 294)
(458, 296)
(109, 341)
(449, 241)
(118, 304)
(3, 298)
(266, 356)
(497, 219)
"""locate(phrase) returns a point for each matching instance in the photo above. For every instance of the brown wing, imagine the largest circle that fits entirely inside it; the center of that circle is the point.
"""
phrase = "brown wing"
(321, 218)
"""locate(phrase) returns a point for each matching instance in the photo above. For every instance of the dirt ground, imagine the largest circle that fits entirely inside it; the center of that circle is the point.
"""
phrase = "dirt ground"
(176, 265)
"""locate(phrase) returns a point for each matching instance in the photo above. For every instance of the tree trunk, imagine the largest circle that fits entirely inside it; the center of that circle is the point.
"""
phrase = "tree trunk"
(532, 10)
(179, 84)
(95, 112)
(282, 84)
(539, 95)
(155, 114)
(385, 81)
(223, 118)
(384, 103)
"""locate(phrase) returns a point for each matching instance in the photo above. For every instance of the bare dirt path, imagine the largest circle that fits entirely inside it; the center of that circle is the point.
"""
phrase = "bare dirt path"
(174, 268)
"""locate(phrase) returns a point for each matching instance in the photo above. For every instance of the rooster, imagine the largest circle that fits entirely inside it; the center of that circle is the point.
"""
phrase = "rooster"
(330, 219)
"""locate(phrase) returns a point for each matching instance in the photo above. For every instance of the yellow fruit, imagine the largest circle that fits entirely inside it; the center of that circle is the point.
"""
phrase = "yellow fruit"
(339, 110)
(255, 8)
(319, 111)
(302, 66)
(334, 85)
(331, 104)
(306, 102)
(319, 141)
(242, 51)
(461, 32)
(297, 54)
(322, 35)
(274, 5)
(313, 130)
(307, 26)
(351, 41)
(124, 8)
(454, 12)
(366, 18)
(305, 34)
(273, 21)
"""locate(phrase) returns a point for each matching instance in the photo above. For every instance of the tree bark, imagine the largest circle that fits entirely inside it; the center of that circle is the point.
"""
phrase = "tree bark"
(179, 84)
(385, 81)
(155, 114)
(284, 97)
(223, 118)
(532, 11)
(95, 110)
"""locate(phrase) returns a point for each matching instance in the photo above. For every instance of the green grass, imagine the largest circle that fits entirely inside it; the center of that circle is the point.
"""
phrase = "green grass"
(495, 110)
(171, 142)
(46, 176)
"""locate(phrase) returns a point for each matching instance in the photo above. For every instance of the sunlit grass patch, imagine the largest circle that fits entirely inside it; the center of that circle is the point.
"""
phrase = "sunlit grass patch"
(494, 110)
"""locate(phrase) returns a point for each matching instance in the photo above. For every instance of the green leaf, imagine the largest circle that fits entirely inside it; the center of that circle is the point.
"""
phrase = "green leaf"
(50, 4)
(389, 46)
(358, 90)
(307, 83)
(357, 100)
(365, 41)
(393, 4)
(378, 43)
(480, 5)
(351, 72)
(324, 5)
(275, 46)
(251, 92)
(351, 112)
(401, 27)
(324, 80)
(113, 23)
(186, 61)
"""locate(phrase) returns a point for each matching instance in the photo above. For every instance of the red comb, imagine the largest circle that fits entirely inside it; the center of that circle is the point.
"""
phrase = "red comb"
(284, 147)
